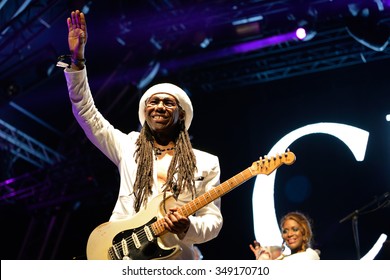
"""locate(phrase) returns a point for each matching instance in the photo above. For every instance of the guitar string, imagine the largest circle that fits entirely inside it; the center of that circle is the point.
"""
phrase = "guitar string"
(129, 240)
(141, 236)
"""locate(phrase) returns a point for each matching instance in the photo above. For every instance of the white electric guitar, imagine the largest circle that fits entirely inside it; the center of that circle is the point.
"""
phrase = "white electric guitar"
(141, 237)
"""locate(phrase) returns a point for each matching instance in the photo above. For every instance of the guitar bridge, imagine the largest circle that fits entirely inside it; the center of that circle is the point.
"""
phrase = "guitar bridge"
(113, 253)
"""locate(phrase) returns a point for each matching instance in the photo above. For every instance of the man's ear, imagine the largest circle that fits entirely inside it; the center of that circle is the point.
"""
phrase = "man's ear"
(182, 115)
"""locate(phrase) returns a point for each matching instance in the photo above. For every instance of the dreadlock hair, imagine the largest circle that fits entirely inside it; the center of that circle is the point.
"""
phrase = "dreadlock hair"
(181, 170)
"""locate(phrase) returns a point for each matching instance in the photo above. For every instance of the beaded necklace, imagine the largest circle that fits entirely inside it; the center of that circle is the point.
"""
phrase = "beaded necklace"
(158, 151)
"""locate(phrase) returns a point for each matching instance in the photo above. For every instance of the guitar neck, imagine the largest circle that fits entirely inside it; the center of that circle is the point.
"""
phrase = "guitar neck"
(216, 192)
(263, 166)
(204, 199)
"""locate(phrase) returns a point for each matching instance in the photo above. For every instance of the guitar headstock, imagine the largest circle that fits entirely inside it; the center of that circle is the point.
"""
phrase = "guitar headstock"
(268, 164)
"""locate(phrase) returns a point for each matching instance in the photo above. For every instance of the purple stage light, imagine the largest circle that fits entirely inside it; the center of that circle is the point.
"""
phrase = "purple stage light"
(232, 50)
(7, 182)
(262, 43)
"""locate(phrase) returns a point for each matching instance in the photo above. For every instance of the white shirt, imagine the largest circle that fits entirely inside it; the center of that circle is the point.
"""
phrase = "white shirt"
(309, 254)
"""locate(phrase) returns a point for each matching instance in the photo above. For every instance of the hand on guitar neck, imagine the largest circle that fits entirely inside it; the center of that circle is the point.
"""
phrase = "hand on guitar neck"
(176, 223)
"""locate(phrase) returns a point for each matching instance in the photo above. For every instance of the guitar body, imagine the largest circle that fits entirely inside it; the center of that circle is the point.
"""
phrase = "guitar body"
(132, 238)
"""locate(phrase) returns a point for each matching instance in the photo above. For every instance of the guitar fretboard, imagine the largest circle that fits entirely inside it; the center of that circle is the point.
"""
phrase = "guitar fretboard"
(263, 166)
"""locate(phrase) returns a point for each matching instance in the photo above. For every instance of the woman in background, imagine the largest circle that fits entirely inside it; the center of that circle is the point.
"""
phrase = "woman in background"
(297, 235)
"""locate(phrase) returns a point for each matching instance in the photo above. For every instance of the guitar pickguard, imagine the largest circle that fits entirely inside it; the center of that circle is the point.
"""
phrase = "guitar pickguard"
(138, 244)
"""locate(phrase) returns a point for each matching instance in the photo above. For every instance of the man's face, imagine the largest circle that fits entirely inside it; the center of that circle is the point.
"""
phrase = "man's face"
(162, 112)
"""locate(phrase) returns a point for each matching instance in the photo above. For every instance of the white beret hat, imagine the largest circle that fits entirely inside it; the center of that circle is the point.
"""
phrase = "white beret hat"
(173, 90)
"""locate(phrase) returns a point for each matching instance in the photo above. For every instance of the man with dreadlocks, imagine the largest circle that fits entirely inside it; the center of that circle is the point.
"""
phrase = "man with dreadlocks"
(157, 162)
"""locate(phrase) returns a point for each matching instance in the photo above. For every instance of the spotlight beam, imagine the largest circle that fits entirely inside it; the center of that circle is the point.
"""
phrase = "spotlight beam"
(245, 47)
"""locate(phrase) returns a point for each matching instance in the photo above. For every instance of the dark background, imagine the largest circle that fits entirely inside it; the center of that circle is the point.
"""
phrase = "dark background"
(243, 104)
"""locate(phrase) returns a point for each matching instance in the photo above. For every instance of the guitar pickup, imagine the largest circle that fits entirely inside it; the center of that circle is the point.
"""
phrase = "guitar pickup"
(137, 244)
(148, 233)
